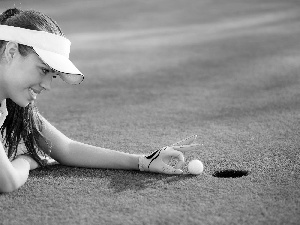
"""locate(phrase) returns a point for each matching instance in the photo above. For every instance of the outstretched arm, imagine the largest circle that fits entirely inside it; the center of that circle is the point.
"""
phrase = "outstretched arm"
(84, 155)
(72, 153)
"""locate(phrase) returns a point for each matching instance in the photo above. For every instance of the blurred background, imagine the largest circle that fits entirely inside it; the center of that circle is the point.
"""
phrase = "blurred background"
(161, 62)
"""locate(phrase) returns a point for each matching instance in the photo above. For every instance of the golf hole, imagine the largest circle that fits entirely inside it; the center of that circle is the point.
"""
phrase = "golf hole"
(230, 173)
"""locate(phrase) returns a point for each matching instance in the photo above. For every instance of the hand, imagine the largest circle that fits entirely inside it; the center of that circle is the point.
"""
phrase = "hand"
(48, 161)
(33, 164)
(158, 161)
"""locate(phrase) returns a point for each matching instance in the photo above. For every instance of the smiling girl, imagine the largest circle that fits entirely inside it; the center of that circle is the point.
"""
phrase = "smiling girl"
(33, 51)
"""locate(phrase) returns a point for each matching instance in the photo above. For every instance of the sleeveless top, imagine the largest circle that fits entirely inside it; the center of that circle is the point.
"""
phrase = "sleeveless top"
(3, 112)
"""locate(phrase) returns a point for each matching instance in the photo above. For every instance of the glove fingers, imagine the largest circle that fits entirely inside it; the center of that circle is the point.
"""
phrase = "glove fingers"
(170, 170)
(186, 148)
(174, 154)
(186, 141)
(179, 165)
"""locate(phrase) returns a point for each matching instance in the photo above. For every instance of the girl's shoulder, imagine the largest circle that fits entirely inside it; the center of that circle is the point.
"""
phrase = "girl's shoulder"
(3, 112)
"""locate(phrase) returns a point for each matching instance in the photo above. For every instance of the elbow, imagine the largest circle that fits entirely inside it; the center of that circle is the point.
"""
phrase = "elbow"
(62, 156)
(10, 182)
(8, 186)
(7, 189)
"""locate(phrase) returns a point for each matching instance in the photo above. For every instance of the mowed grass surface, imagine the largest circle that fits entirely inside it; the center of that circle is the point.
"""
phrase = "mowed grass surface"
(156, 72)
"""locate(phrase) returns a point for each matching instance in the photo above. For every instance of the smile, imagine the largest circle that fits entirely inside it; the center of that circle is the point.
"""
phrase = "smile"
(33, 93)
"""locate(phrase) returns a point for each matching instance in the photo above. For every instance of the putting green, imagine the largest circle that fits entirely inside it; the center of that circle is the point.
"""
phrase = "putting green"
(156, 72)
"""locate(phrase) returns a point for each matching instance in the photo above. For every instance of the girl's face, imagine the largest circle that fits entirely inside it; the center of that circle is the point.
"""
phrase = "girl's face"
(26, 77)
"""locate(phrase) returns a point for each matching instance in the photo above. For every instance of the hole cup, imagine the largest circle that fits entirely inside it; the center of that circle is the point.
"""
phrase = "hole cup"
(230, 173)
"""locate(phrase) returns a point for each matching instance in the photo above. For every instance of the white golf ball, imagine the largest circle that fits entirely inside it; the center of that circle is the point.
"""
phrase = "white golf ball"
(195, 167)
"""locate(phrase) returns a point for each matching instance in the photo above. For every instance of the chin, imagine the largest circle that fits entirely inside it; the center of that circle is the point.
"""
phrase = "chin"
(20, 99)
(22, 103)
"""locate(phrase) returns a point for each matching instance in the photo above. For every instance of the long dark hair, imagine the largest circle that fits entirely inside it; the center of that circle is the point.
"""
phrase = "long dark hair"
(24, 124)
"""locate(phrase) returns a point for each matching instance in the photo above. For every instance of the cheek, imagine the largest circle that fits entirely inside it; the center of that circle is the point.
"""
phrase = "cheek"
(26, 78)
(19, 81)
(23, 73)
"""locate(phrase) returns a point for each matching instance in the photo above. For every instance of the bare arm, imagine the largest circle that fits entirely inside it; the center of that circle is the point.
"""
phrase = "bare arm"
(73, 153)
(84, 155)
(14, 174)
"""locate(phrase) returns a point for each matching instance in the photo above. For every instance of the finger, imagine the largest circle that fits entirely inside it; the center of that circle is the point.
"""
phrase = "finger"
(187, 148)
(186, 141)
(179, 164)
(179, 156)
(51, 162)
(170, 170)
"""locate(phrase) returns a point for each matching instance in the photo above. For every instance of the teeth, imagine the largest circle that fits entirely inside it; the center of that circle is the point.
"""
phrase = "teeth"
(33, 94)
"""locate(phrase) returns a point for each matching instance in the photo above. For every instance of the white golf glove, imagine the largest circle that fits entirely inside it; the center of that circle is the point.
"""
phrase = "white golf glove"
(158, 160)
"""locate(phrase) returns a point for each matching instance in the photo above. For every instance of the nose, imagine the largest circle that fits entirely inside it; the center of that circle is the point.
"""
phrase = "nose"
(46, 82)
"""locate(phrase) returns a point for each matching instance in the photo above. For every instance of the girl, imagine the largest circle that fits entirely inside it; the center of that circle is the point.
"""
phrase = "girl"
(33, 50)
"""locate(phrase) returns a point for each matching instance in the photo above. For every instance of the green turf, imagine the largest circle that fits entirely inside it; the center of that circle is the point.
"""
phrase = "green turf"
(156, 72)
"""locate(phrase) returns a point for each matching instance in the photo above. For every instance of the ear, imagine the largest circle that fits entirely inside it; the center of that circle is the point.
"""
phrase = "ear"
(11, 49)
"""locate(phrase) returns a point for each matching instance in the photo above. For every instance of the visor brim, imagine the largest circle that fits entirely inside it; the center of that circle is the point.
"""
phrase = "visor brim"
(68, 71)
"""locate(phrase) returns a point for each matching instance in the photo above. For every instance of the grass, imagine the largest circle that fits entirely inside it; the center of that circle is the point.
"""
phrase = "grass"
(156, 72)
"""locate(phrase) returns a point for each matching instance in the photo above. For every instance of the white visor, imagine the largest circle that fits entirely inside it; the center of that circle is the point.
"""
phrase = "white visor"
(52, 49)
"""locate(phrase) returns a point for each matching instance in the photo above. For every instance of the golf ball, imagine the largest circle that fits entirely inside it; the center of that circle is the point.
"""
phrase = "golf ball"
(195, 167)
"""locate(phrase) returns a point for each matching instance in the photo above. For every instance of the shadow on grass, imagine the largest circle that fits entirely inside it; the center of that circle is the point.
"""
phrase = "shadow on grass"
(116, 180)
